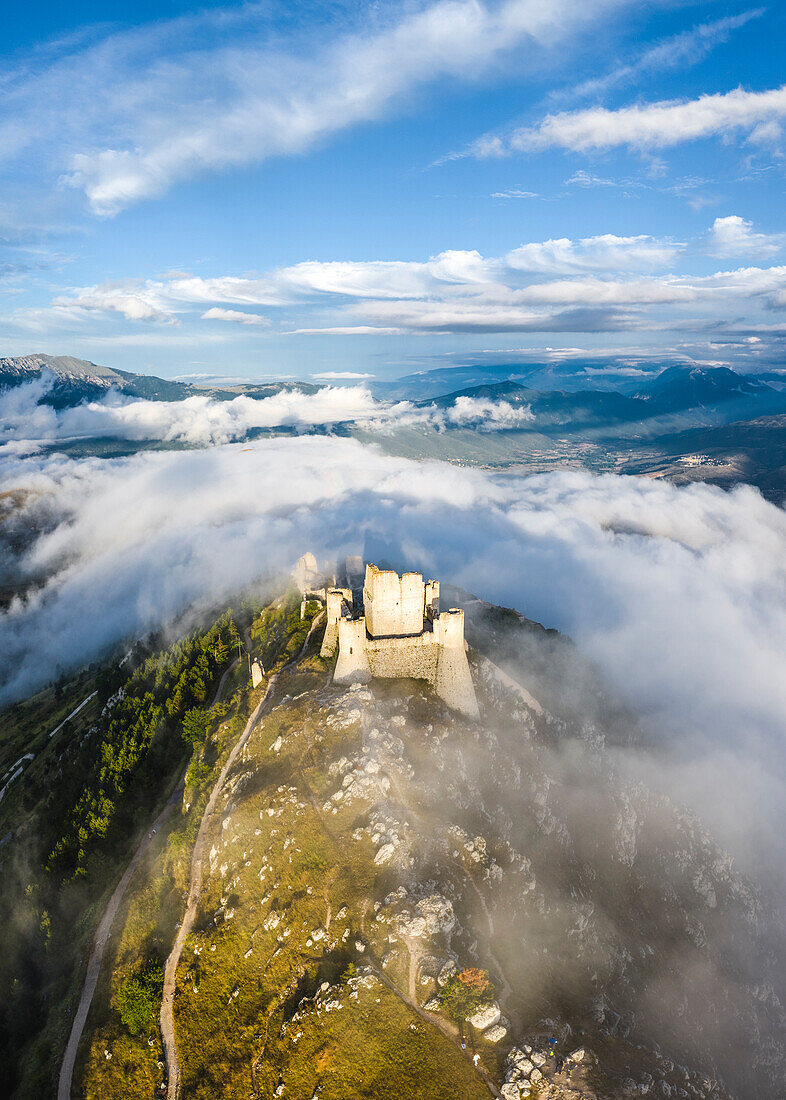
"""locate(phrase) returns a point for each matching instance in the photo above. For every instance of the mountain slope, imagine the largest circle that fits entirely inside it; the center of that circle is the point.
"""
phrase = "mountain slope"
(682, 387)
(77, 380)
(368, 844)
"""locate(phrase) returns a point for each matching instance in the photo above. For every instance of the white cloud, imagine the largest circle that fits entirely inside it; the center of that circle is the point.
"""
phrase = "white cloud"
(582, 178)
(598, 283)
(485, 415)
(606, 252)
(251, 96)
(514, 195)
(202, 420)
(135, 303)
(734, 236)
(216, 313)
(756, 116)
(336, 375)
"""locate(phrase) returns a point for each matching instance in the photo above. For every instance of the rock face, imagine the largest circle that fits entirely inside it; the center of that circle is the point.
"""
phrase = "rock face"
(432, 916)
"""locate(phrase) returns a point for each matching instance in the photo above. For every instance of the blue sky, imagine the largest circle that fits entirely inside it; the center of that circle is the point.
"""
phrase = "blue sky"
(318, 189)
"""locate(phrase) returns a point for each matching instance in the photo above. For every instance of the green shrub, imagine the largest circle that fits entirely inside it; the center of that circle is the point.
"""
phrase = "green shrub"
(465, 993)
(139, 997)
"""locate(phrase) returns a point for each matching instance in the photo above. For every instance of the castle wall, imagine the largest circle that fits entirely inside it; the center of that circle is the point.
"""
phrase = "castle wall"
(453, 681)
(396, 658)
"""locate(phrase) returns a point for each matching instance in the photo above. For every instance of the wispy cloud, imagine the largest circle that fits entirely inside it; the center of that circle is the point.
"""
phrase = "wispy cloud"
(514, 194)
(756, 117)
(216, 313)
(136, 112)
(686, 48)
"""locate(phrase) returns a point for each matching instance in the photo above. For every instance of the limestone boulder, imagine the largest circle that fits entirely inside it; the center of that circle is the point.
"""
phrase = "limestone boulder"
(485, 1017)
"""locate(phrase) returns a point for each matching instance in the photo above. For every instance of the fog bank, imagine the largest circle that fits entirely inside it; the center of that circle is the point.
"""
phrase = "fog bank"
(678, 593)
(26, 424)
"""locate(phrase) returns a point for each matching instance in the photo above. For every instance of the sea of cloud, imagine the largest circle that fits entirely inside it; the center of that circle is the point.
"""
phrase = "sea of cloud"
(678, 594)
(26, 424)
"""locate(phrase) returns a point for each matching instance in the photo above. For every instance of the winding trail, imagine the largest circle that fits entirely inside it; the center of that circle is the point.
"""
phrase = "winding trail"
(170, 970)
(102, 932)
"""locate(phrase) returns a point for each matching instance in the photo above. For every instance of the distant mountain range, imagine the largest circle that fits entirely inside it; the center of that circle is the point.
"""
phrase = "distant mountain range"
(684, 422)
(674, 390)
(709, 395)
(77, 380)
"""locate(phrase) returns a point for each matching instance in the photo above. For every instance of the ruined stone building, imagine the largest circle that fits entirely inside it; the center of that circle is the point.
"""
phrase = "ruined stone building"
(399, 632)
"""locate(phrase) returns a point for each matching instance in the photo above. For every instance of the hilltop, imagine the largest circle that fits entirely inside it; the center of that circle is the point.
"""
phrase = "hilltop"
(369, 849)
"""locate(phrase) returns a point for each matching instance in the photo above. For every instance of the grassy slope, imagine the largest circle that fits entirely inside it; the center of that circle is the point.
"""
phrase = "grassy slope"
(48, 919)
(243, 974)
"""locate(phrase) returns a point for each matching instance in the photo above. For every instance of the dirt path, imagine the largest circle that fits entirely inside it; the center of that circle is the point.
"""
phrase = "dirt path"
(170, 970)
(102, 932)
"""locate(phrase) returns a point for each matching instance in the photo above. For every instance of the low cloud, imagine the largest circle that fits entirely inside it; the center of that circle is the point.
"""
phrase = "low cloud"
(26, 423)
(485, 415)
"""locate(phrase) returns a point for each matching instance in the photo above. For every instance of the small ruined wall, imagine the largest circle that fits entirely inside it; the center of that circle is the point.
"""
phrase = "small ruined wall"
(431, 595)
(334, 604)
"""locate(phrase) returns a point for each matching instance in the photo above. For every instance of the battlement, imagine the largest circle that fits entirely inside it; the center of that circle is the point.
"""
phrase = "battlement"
(399, 632)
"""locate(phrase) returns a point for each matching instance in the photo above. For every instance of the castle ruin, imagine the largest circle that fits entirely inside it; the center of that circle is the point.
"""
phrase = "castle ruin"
(399, 632)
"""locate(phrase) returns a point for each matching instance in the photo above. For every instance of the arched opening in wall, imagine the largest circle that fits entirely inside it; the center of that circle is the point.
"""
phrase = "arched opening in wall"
(350, 650)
